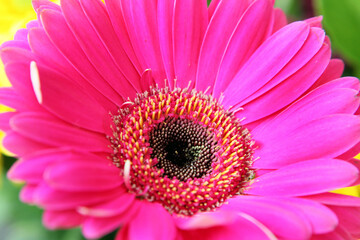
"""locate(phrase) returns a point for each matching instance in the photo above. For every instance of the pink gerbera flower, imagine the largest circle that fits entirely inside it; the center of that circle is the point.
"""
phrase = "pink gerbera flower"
(171, 120)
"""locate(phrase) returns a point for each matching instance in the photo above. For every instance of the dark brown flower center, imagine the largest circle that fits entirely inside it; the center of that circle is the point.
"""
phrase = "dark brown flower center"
(181, 149)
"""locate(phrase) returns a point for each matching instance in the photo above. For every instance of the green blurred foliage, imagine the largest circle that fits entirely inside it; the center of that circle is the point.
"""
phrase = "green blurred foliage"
(342, 24)
(292, 8)
(19, 221)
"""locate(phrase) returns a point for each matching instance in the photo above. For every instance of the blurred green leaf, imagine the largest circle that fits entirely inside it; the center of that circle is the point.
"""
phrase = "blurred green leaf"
(342, 22)
(19, 221)
(292, 8)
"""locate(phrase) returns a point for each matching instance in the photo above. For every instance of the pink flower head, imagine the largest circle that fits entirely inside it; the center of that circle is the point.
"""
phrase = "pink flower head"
(173, 120)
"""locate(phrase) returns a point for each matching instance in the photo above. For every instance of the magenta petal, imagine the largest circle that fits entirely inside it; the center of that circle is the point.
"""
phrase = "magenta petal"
(58, 200)
(280, 20)
(21, 145)
(5, 120)
(66, 42)
(10, 98)
(96, 227)
(205, 220)
(190, 21)
(243, 226)
(115, 13)
(321, 218)
(335, 134)
(141, 25)
(45, 3)
(66, 100)
(333, 71)
(16, 44)
(314, 54)
(274, 215)
(27, 193)
(19, 77)
(21, 35)
(97, 15)
(285, 92)
(282, 46)
(51, 131)
(303, 178)
(165, 11)
(142, 227)
(87, 174)
(218, 33)
(48, 54)
(249, 34)
(110, 208)
(62, 219)
(31, 169)
(349, 219)
(335, 199)
(95, 50)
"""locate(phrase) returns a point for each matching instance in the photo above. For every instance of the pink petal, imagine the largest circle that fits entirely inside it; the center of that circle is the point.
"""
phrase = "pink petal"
(27, 194)
(5, 119)
(335, 199)
(97, 15)
(95, 50)
(280, 20)
(313, 50)
(66, 42)
(45, 3)
(147, 80)
(349, 219)
(286, 91)
(303, 178)
(165, 13)
(21, 35)
(62, 219)
(143, 32)
(280, 48)
(21, 145)
(66, 100)
(115, 13)
(315, 21)
(10, 98)
(48, 54)
(281, 218)
(53, 199)
(143, 226)
(19, 77)
(84, 173)
(339, 234)
(97, 227)
(321, 218)
(190, 21)
(31, 168)
(243, 227)
(16, 44)
(117, 206)
(333, 71)
(216, 38)
(250, 32)
(51, 131)
(335, 134)
(205, 220)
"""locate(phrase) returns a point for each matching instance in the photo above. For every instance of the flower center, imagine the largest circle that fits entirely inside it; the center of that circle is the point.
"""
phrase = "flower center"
(181, 149)
(184, 149)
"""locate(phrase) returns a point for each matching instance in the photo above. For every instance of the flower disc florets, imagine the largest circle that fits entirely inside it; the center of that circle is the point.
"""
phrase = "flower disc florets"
(182, 149)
